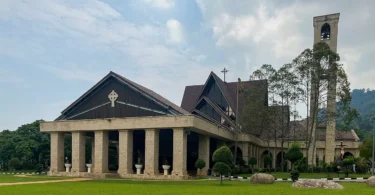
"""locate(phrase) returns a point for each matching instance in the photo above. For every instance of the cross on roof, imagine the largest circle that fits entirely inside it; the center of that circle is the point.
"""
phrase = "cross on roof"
(224, 71)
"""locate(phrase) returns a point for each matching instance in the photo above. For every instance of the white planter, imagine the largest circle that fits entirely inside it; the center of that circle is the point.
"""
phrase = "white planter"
(67, 167)
(89, 166)
(139, 168)
(166, 168)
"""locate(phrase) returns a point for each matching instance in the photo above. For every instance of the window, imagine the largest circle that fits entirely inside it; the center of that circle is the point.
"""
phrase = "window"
(325, 32)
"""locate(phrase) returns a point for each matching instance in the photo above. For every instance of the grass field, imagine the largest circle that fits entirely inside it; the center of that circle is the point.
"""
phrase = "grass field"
(311, 175)
(14, 178)
(109, 187)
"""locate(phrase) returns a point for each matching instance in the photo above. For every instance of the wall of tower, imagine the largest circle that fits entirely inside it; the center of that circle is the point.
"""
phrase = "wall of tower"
(333, 21)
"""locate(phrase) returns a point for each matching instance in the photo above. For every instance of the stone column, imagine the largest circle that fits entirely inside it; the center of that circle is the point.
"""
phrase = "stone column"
(204, 152)
(101, 151)
(151, 152)
(251, 147)
(179, 152)
(245, 151)
(78, 151)
(57, 152)
(274, 159)
(125, 152)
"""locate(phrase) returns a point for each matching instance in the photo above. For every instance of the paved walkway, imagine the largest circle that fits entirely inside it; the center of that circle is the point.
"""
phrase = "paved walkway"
(47, 181)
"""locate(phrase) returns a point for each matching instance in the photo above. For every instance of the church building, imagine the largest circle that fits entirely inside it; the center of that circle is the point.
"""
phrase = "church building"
(121, 129)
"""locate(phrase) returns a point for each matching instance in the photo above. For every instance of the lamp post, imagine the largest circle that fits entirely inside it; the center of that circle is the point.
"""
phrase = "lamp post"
(373, 146)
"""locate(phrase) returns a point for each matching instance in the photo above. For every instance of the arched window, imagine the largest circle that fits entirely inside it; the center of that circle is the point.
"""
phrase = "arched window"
(325, 32)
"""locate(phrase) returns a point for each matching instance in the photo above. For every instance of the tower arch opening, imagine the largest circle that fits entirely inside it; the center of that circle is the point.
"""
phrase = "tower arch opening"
(325, 32)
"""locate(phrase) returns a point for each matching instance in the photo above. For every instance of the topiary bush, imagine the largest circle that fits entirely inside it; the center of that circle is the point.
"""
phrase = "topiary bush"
(329, 169)
(222, 169)
(347, 163)
(267, 161)
(294, 154)
(223, 156)
(252, 161)
(294, 175)
(200, 164)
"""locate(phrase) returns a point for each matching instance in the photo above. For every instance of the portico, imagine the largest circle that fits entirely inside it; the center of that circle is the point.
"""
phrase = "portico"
(181, 127)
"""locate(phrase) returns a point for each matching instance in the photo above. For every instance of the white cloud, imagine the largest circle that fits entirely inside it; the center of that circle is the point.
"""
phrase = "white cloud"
(200, 58)
(162, 4)
(176, 31)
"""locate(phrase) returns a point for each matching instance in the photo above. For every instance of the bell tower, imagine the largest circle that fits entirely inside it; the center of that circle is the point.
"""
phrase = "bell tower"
(326, 29)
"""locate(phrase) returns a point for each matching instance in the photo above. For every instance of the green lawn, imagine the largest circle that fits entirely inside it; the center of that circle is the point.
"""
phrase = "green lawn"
(311, 175)
(109, 187)
(13, 178)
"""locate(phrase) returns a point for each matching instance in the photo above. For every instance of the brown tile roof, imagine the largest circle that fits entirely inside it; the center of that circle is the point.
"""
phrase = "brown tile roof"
(300, 133)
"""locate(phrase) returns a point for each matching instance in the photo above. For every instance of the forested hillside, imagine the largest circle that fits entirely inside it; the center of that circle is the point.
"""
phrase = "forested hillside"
(364, 101)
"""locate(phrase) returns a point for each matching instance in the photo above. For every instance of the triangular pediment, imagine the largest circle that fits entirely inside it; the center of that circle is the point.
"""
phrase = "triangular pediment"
(215, 90)
(211, 111)
(115, 97)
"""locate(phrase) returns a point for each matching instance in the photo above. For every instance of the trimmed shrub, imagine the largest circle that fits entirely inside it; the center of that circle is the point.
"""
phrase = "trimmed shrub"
(252, 161)
(222, 169)
(223, 162)
(200, 164)
(223, 154)
(294, 175)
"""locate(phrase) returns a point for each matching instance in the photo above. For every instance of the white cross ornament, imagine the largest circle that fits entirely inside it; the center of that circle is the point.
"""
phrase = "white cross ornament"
(113, 97)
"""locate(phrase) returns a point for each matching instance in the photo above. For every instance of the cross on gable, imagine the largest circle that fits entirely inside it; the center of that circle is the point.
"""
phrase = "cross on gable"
(113, 97)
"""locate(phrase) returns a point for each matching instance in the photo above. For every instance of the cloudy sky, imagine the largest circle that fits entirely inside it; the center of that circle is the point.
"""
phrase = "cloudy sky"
(53, 51)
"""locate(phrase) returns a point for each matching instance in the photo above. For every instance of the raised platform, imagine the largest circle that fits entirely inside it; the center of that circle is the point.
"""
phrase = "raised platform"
(119, 176)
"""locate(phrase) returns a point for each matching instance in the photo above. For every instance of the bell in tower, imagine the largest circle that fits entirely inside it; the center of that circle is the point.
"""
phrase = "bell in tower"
(326, 29)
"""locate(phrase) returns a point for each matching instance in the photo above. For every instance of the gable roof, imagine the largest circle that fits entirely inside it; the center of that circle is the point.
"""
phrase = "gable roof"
(192, 93)
(145, 91)
(298, 131)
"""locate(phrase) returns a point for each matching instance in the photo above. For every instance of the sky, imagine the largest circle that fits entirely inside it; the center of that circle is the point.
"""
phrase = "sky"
(51, 52)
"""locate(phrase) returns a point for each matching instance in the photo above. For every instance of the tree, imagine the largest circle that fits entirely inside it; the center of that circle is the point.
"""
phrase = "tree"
(326, 80)
(27, 144)
(267, 161)
(294, 154)
(365, 149)
(348, 162)
(222, 169)
(15, 164)
(223, 160)
(200, 164)
(252, 161)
